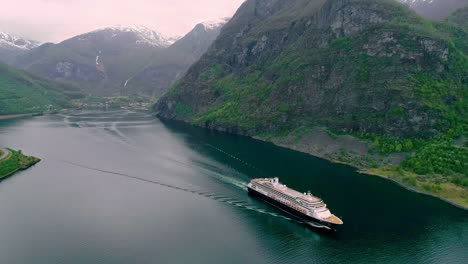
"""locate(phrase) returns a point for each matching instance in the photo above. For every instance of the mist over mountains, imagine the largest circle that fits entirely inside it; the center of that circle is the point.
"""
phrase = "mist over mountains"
(105, 61)
(170, 65)
(100, 61)
(434, 9)
(135, 60)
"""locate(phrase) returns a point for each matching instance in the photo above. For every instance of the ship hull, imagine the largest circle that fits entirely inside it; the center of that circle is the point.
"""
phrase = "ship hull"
(311, 221)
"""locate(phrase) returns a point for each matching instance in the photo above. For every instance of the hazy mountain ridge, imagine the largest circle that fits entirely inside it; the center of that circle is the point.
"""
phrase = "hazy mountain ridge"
(99, 61)
(121, 60)
(12, 46)
(169, 66)
(143, 34)
(17, 42)
(434, 9)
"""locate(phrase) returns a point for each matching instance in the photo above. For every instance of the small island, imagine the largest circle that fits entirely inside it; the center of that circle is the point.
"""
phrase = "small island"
(13, 161)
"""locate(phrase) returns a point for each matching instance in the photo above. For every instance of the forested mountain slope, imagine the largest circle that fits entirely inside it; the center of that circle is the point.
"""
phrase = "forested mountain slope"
(22, 92)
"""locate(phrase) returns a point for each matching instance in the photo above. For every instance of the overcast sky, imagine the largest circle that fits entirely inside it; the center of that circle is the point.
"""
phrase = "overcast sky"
(56, 20)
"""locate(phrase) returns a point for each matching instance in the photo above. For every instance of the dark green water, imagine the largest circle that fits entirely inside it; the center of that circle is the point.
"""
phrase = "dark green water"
(57, 212)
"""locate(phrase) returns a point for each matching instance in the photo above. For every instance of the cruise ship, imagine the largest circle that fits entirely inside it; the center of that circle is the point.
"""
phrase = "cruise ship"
(308, 208)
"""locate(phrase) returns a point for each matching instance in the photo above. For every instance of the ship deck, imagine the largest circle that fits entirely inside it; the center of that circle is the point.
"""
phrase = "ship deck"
(290, 192)
(334, 220)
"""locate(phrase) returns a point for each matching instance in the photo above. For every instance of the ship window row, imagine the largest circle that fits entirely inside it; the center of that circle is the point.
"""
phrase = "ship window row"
(279, 194)
(289, 198)
(310, 203)
(303, 202)
(284, 196)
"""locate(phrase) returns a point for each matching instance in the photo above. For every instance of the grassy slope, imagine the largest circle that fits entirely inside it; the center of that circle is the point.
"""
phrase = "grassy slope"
(21, 92)
(17, 161)
(270, 96)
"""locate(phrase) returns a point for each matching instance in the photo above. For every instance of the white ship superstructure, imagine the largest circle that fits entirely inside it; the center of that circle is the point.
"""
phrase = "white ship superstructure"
(304, 205)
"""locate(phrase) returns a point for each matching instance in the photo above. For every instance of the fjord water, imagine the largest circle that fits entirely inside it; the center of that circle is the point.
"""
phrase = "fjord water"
(80, 206)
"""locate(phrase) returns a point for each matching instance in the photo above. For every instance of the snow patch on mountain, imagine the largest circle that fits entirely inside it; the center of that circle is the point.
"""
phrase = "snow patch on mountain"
(15, 42)
(413, 3)
(214, 24)
(144, 34)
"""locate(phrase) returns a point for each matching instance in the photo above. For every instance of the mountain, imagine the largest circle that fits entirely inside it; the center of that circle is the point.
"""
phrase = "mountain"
(363, 82)
(459, 18)
(22, 92)
(434, 9)
(12, 46)
(456, 24)
(100, 61)
(171, 65)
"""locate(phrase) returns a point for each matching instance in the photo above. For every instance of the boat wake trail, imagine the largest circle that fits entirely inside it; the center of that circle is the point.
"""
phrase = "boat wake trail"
(111, 126)
(220, 198)
(238, 159)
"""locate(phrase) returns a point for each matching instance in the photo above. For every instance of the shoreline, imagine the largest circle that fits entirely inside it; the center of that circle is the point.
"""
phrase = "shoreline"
(4, 177)
(367, 171)
(359, 170)
(31, 162)
(4, 117)
(409, 188)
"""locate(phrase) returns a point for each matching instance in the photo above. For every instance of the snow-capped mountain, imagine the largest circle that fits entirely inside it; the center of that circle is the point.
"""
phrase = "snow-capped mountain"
(144, 35)
(99, 61)
(8, 40)
(434, 9)
(12, 46)
(173, 63)
(215, 24)
(121, 59)
(416, 2)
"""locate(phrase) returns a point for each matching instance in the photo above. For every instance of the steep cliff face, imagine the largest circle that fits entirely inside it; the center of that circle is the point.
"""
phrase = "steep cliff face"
(354, 66)
(169, 66)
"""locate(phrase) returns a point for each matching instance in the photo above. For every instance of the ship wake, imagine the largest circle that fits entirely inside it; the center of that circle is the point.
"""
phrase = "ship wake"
(213, 196)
